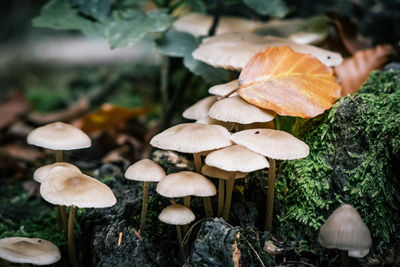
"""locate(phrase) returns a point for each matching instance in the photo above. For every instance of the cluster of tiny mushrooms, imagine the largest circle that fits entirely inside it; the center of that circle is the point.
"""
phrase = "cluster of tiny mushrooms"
(229, 138)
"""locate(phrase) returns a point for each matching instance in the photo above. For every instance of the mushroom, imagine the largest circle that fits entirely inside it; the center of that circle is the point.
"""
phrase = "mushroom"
(199, 109)
(234, 159)
(59, 136)
(345, 230)
(146, 171)
(177, 215)
(221, 175)
(25, 250)
(71, 188)
(273, 144)
(41, 173)
(207, 120)
(194, 138)
(225, 88)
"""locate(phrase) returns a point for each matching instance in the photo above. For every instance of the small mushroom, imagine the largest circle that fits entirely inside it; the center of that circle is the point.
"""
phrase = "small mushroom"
(71, 188)
(146, 171)
(41, 173)
(199, 109)
(345, 230)
(177, 215)
(225, 88)
(25, 250)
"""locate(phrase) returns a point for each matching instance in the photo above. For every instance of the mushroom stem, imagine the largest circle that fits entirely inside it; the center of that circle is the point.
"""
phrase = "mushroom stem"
(186, 203)
(229, 189)
(270, 195)
(179, 234)
(221, 195)
(197, 162)
(208, 207)
(71, 237)
(344, 258)
(144, 207)
(59, 156)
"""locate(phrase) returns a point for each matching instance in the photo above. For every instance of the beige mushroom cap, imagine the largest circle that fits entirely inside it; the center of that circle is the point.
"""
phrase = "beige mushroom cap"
(192, 138)
(225, 88)
(272, 143)
(145, 170)
(345, 230)
(236, 158)
(176, 214)
(199, 109)
(59, 136)
(199, 24)
(358, 253)
(68, 187)
(214, 172)
(35, 251)
(207, 120)
(185, 183)
(234, 50)
(235, 109)
(41, 173)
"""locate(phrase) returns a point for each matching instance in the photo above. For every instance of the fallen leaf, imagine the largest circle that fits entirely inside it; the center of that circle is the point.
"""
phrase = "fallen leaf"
(288, 83)
(76, 110)
(354, 71)
(12, 109)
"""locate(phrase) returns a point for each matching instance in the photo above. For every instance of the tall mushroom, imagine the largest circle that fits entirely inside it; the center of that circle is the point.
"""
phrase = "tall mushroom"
(273, 144)
(146, 171)
(194, 138)
(71, 188)
(25, 250)
(345, 230)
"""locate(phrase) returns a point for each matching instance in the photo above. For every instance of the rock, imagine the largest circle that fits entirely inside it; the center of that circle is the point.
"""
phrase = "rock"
(215, 245)
(354, 158)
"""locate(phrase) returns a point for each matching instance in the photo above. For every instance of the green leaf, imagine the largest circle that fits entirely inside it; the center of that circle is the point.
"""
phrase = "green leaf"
(97, 9)
(197, 5)
(58, 14)
(275, 8)
(181, 44)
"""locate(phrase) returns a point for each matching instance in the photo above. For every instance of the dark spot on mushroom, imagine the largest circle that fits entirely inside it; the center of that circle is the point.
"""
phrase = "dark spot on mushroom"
(329, 57)
(40, 240)
(257, 132)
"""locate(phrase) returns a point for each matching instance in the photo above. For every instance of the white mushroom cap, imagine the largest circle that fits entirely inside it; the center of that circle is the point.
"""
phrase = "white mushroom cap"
(236, 158)
(192, 138)
(345, 230)
(199, 109)
(225, 88)
(214, 172)
(68, 187)
(235, 109)
(272, 143)
(185, 183)
(59, 136)
(41, 173)
(207, 120)
(358, 253)
(35, 251)
(234, 50)
(176, 214)
(145, 170)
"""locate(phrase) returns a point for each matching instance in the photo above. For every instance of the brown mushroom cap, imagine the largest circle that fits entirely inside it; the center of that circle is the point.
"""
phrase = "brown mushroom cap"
(35, 251)
(185, 183)
(236, 158)
(272, 143)
(68, 187)
(235, 109)
(234, 50)
(41, 173)
(225, 88)
(192, 138)
(199, 109)
(145, 170)
(176, 214)
(59, 136)
(345, 230)
(214, 172)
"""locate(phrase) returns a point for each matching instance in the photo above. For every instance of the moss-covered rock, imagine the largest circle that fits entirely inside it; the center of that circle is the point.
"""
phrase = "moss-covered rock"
(354, 158)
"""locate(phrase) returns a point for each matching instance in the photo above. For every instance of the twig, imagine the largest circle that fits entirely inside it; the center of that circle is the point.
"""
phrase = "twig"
(119, 239)
(187, 235)
(136, 233)
(217, 15)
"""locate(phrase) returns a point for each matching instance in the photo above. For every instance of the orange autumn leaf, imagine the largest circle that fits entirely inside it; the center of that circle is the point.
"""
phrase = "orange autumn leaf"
(288, 83)
(354, 71)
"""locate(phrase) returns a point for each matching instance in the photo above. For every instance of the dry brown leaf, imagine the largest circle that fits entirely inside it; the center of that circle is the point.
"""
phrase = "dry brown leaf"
(288, 83)
(354, 71)
(76, 110)
(10, 110)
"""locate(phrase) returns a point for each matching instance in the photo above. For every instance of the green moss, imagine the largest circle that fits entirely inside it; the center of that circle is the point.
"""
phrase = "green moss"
(354, 158)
